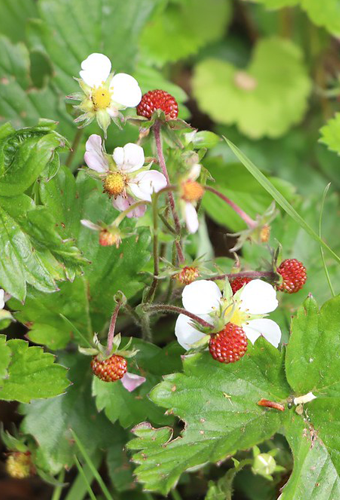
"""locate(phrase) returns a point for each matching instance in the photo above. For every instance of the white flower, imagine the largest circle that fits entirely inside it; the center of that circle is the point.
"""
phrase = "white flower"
(105, 94)
(191, 192)
(125, 178)
(131, 381)
(246, 309)
(2, 298)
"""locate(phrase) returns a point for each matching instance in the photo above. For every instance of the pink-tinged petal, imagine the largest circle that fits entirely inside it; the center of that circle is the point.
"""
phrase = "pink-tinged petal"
(131, 381)
(201, 297)
(195, 172)
(121, 203)
(125, 90)
(2, 298)
(191, 218)
(258, 297)
(185, 333)
(95, 69)
(94, 156)
(130, 157)
(90, 225)
(265, 327)
(145, 183)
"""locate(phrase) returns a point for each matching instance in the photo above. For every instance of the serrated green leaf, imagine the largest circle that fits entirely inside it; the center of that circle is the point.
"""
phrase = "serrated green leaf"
(330, 134)
(32, 374)
(5, 356)
(326, 15)
(264, 99)
(183, 28)
(50, 422)
(218, 404)
(132, 407)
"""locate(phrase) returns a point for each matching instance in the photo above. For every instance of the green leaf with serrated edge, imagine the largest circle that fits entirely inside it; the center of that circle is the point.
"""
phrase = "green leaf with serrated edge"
(132, 407)
(264, 99)
(77, 30)
(327, 15)
(330, 134)
(119, 466)
(32, 374)
(14, 15)
(5, 356)
(218, 404)
(41, 313)
(314, 475)
(281, 200)
(183, 28)
(49, 422)
(24, 154)
(20, 101)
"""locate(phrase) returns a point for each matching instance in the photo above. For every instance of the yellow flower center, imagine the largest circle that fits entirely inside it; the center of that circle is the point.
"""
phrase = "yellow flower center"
(192, 191)
(114, 184)
(101, 98)
(233, 314)
(107, 239)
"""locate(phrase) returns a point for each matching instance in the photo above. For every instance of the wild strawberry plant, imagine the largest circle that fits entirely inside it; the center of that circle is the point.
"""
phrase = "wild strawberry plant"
(137, 355)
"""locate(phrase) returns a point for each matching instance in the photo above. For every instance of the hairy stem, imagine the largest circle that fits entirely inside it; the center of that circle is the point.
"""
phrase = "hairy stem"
(270, 275)
(154, 284)
(247, 219)
(74, 147)
(111, 333)
(122, 216)
(155, 308)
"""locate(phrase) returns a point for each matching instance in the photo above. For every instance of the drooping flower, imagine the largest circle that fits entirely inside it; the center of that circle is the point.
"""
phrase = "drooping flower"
(124, 176)
(131, 381)
(104, 94)
(108, 235)
(247, 309)
(190, 193)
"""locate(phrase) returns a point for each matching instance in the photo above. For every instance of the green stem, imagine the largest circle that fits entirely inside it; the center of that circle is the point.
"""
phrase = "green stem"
(156, 308)
(122, 216)
(175, 495)
(247, 219)
(146, 330)
(131, 312)
(154, 284)
(230, 476)
(59, 489)
(320, 235)
(74, 147)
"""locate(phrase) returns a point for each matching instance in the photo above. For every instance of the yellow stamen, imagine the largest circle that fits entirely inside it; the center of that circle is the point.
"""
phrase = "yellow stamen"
(101, 98)
(114, 184)
(192, 191)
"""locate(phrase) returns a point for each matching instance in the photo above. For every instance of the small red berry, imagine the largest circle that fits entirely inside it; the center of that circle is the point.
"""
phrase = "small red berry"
(110, 369)
(228, 345)
(294, 276)
(238, 283)
(158, 99)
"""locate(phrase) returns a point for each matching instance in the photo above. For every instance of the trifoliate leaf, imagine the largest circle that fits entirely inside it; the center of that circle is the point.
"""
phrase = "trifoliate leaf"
(330, 134)
(183, 28)
(218, 404)
(32, 374)
(50, 422)
(132, 407)
(265, 99)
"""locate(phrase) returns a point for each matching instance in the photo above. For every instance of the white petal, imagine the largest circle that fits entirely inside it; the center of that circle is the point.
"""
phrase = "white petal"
(125, 90)
(2, 298)
(145, 183)
(131, 381)
(90, 225)
(130, 157)
(185, 333)
(195, 172)
(94, 157)
(265, 327)
(200, 297)
(95, 69)
(258, 297)
(307, 398)
(191, 217)
(121, 203)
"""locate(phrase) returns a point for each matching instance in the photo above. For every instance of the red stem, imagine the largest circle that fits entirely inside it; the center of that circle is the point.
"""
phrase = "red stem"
(247, 274)
(248, 220)
(177, 310)
(111, 333)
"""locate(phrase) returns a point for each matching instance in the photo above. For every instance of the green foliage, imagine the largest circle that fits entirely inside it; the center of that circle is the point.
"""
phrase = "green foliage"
(183, 28)
(262, 100)
(330, 134)
(32, 374)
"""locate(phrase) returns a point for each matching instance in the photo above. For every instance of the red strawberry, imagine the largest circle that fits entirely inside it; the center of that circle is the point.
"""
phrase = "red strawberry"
(238, 283)
(110, 369)
(293, 274)
(158, 99)
(228, 345)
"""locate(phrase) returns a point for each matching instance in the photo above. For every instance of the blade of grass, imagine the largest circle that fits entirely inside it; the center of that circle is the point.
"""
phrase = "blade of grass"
(78, 490)
(76, 330)
(83, 475)
(320, 234)
(278, 197)
(58, 489)
(92, 467)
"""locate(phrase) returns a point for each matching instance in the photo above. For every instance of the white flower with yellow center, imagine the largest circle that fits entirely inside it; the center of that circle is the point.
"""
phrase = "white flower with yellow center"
(190, 193)
(247, 309)
(106, 94)
(124, 176)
